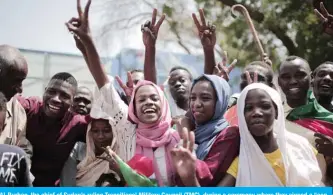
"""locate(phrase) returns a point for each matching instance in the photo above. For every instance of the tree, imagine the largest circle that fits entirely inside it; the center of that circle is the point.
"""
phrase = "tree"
(286, 27)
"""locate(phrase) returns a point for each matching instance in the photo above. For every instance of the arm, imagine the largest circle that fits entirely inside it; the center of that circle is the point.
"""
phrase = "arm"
(81, 30)
(209, 60)
(149, 68)
(149, 35)
(227, 181)
(24, 174)
(208, 40)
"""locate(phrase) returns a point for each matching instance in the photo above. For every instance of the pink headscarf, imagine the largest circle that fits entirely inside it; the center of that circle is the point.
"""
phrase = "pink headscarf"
(158, 134)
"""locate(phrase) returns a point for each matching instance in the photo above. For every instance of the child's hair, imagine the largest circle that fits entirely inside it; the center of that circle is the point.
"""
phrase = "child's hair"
(3, 102)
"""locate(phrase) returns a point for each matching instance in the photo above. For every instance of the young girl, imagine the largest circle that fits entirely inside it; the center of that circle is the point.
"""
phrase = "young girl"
(147, 132)
(269, 155)
(217, 142)
(94, 170)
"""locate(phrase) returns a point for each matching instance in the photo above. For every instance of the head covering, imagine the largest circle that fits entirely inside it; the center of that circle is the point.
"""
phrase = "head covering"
(205, 134)
(158, 134)
(301, 166)
(313, 116)
(91, 168)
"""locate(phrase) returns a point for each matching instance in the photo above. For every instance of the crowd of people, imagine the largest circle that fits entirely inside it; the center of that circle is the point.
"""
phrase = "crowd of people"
(187, 132)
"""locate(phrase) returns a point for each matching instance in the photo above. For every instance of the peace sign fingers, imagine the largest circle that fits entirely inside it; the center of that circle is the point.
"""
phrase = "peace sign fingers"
(202, 18)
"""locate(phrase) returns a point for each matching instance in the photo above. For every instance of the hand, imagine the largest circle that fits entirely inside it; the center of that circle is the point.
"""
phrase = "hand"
(206, 31)
(222, 69)
(267, 60)
(150, 30)
(249, 79)
(184, 160)
(326, 18)
(111, 158)
(129, 87)
(324, 144)
(183, 125)
(79, 27)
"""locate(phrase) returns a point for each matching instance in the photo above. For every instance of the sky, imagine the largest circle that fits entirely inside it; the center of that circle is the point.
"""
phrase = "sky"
(39, 25)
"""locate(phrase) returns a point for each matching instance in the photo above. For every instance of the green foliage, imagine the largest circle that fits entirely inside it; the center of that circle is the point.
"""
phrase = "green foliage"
(283, 20)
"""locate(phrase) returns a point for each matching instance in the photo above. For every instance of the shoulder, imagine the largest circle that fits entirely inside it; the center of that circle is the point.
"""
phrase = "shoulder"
(31, 104)
(6, 149)
(230, 132)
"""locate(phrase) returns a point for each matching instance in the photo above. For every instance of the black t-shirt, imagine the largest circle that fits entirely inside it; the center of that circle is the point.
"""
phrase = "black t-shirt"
(14, 170)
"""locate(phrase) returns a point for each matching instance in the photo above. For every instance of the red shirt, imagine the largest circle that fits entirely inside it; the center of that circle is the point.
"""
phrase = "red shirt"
(224, 150)
(52, 141)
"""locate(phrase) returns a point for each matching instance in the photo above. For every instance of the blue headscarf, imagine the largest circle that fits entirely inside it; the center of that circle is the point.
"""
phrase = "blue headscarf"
(205, 134)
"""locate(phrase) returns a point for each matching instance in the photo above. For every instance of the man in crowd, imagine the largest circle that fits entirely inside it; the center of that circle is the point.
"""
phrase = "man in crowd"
(13, 70)
(82, 101)
(52, 128)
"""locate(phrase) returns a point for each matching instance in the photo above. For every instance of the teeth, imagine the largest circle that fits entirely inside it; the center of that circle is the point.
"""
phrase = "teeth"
(54, 107)
(294, 89)
(148, 110)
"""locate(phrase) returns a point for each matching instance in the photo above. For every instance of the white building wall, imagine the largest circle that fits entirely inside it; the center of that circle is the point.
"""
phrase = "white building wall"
(43, 65)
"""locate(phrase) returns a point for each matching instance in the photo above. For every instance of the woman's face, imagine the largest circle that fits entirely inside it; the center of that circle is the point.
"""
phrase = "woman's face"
(101, 133)
(147, 104)
(202, 101)
(259, 112)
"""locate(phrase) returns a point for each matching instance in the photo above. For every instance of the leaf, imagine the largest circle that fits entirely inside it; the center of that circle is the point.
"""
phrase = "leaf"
(167, 10)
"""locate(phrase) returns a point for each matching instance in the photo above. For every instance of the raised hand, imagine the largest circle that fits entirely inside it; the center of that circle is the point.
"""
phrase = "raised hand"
(129, 87)
(150, 30)
(184, 160)
(206, 31)
(222, 69)
(183, 125)
(324, 144)
(326, 18)
(111, 158)
(79, 27)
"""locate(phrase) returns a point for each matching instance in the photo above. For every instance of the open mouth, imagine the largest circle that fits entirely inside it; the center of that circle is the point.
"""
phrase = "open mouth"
(294, 89)
(54, 108)
(326, 86)
(149, 111)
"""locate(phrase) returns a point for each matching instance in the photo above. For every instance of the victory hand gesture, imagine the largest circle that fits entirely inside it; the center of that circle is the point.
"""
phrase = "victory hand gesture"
(222, 69)
(326, 18)
(206, 31)
(249, 79)
(184, 160)
(129, 87)
(79, 27)
(150, 30)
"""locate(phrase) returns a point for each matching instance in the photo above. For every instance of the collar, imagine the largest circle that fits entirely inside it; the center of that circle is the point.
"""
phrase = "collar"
(9, 107)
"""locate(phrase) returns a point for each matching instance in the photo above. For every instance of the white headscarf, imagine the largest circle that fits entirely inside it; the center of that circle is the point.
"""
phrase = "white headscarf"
(301, 166)
(91, 168)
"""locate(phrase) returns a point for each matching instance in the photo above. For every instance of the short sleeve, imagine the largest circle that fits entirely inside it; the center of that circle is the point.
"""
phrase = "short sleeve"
(30, 104)
(233, 169)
